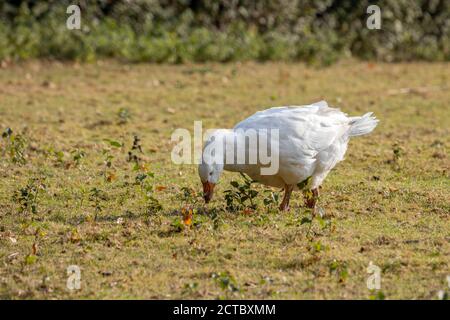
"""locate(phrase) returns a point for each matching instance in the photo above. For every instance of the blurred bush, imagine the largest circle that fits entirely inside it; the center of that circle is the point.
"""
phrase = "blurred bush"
(177, 31)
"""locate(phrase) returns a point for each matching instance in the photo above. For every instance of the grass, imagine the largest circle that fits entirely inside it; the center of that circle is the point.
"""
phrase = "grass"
(71, 194)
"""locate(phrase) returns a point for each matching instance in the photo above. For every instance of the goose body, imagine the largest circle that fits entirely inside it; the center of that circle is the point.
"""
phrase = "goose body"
(312, 140)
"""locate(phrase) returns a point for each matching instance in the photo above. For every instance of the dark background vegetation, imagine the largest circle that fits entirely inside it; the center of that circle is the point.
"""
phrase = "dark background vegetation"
(178, 31)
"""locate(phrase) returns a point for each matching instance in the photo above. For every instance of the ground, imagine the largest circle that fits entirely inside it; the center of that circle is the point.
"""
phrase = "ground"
(70, 194)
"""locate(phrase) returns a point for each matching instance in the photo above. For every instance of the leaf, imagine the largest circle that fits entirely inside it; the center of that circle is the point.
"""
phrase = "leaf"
(187, 220)
(34, 248)
(235, 184)
(305, 220)
(30, 259)
(317, 246)
(246, 178)
(74, 236)
(113, 143)
(140, 177)
(187, 216)
(8, 132)
(334, 265)
(308, 195)
(380, 296)
(321, 221)
(111, 177)
(177, 224)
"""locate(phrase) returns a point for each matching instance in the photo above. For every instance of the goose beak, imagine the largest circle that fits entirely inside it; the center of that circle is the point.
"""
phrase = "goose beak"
(208, 190)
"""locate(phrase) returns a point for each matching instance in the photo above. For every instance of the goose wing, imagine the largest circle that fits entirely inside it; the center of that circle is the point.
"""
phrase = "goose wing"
(303, 130)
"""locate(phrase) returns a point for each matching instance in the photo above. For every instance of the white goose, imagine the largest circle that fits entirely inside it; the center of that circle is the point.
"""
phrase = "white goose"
(312, 140)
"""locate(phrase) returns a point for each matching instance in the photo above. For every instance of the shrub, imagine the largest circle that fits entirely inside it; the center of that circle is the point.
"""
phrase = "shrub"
(180, 31)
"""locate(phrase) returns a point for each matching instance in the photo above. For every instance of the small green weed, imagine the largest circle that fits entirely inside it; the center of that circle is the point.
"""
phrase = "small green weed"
(27, 197)
(241, 196)
(15, 145)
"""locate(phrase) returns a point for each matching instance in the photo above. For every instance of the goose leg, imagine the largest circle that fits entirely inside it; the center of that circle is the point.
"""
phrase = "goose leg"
(284, 206)
(311, 197)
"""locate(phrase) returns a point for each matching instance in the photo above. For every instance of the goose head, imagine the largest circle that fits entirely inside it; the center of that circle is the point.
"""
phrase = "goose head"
(209, 176)
(212, 162)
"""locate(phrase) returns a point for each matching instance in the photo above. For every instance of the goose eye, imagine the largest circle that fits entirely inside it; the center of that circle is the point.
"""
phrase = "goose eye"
(211, 173)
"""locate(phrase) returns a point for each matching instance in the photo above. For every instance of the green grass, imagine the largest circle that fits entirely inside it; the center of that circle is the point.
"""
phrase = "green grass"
(393, 211)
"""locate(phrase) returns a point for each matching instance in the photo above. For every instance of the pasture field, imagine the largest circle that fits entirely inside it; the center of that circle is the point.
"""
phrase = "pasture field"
(74, 190)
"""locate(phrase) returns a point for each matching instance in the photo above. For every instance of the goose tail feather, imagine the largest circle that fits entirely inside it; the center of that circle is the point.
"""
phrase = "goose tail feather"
(362, 125)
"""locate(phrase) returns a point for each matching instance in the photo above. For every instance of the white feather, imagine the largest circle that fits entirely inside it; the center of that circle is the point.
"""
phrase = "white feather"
(313, 139)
